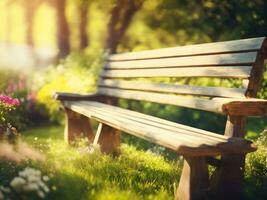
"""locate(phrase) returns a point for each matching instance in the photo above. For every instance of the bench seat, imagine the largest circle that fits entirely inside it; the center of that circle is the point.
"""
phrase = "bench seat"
(221, 77)
(185, 140)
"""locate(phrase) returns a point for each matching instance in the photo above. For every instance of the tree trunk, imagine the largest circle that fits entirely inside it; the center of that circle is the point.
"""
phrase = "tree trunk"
(121, 17)
(62, 29)
(83, 11)
(30, 10)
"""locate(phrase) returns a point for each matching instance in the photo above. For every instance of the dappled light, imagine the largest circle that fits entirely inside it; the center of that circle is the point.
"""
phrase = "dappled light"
(133, 99)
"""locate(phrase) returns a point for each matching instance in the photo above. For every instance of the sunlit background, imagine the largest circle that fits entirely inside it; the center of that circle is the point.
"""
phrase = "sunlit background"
(60, 45)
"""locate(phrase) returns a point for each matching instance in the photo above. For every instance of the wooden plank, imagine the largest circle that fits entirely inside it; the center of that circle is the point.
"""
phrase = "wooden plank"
(173, 88)
(197, 103)
(156, 122)
(257, 71)
(227, 181)
(223, 72)
(63, 96)
(252, 44)
(76, 125)
(194, 181)
(184, 131)
(243, 106)
(99, 129)
(188, 145)
(137, 116)
(205, 60)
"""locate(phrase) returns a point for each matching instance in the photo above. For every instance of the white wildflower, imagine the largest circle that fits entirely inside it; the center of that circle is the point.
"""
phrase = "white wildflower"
(33, 178)
(5, 189)
(45, 178)
(40, 194)
(30, 187)
(17, 183)
(46, 189)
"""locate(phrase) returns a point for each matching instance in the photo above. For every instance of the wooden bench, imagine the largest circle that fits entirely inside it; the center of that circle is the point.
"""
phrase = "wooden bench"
(125, 76)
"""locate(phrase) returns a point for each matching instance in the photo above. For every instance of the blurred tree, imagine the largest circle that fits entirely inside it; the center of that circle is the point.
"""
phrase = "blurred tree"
(213, 20)
(30, 10)
(121, 16)
(63, 32)
(8, 21)
(83, 12)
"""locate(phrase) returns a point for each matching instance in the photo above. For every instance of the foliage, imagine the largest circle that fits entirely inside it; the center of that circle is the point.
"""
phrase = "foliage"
(256, 170)
(29, 184)
(74, 175)
(78, 74)
(7, 104)
(134, 174)
(29, 112)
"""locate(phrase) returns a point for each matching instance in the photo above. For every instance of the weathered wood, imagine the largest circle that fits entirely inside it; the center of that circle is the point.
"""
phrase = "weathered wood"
(228, 72)
(178, 140)
(97, 135)
(257, 71)
(227, 181)
(137, 116)
(77, 125)
(243, 45)
(173, 88)
(194, 182)
(246, 58)
(63, 96)
(109, 140)
(246, 108)
(190, 102)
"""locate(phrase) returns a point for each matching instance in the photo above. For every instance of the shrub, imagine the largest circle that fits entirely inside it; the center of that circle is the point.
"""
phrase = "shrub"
(7, 104)
(256, 170)
(78, 73)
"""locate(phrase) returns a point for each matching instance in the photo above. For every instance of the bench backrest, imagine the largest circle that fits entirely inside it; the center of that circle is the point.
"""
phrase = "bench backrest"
(239, 59)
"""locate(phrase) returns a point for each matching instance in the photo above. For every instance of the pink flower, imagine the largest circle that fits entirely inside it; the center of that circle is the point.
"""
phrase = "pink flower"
(9, 101)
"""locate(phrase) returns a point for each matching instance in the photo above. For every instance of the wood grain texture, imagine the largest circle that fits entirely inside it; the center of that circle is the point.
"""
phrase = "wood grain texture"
(246, 58)
(63, 96)
(187, 144)
(77, 125)
(257, 71)
(223, 72)
(137, 116)
(109, 140)
(189, 102)
(194, 181)
(227, 180)
(246, 108)
(252, 44)
(173, 88)
(97, 135)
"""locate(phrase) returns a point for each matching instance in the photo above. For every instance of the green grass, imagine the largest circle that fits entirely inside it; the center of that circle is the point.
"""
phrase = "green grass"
(134, 175)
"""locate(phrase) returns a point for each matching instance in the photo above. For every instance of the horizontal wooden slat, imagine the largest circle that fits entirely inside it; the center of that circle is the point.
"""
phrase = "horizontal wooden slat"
(206, 60)
(230, 72)
(180, 142)
(208, 48)
(172, 88)
(155, 121)
(190, 102)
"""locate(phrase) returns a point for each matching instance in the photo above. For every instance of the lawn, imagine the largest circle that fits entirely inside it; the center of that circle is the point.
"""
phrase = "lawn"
(76, 174)
(135, 174)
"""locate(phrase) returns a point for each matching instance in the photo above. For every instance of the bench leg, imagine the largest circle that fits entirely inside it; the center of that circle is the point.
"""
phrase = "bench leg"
(194, 180)
(77, 126)
(109, 140)
(227, 180)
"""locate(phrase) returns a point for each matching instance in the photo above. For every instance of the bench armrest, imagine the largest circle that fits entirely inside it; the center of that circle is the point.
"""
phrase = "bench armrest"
(62, 96)
(243, 107)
